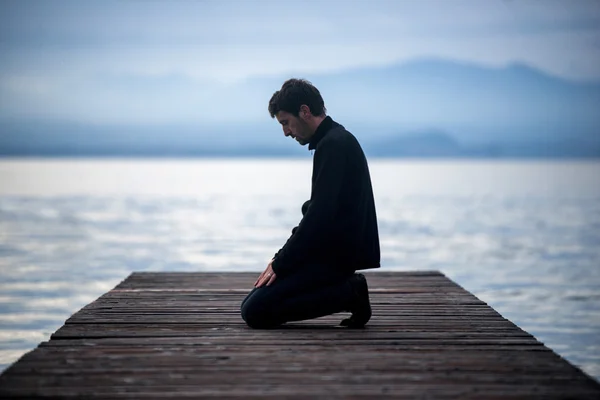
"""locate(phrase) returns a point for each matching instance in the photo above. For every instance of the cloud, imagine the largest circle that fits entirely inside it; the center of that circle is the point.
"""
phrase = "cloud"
(57, 57)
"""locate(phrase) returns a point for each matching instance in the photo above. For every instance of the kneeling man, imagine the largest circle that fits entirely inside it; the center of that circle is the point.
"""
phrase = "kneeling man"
(313, 274)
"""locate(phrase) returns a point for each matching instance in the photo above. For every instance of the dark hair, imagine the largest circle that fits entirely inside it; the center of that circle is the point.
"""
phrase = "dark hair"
(293, 94)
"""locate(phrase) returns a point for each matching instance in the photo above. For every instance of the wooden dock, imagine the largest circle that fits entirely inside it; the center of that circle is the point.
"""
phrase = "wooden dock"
(180, 335)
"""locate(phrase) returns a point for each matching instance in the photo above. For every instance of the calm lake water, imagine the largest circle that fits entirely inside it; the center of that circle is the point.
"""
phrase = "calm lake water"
(522, 236)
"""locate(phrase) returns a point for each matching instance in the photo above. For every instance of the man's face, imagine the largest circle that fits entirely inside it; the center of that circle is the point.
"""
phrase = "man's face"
(294, 126)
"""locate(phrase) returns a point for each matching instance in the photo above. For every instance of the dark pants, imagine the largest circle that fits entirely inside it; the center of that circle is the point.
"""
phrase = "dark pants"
(313, 291)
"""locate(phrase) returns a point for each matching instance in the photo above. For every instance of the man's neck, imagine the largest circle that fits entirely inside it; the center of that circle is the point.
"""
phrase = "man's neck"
(315, 122)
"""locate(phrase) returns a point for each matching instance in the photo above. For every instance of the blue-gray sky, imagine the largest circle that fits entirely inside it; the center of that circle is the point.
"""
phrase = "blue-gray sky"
(85, 61)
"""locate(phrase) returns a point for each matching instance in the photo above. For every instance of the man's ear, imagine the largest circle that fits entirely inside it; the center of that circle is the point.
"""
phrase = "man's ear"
(305, 112)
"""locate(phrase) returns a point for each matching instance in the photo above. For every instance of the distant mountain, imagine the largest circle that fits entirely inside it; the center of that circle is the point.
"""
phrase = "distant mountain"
(428, 143)
(429, 108)
(439, 144)
(475, 103)
(67, 139)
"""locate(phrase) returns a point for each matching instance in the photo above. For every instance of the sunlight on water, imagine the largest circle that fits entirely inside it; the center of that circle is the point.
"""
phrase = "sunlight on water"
(522, 236)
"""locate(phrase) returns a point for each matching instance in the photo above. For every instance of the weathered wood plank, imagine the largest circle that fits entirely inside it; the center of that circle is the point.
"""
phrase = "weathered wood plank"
(298, 391)
(180, 335)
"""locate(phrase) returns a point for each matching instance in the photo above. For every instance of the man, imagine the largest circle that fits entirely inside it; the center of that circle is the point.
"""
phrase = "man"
(313, 274)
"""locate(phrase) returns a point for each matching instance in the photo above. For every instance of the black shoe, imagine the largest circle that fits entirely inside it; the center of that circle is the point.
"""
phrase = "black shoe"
(360, 306)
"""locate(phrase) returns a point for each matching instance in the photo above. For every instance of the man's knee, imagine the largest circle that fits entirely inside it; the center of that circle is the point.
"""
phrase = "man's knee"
(256, 314)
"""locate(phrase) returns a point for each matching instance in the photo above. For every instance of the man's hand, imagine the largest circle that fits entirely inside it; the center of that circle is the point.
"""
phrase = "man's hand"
(267, 277)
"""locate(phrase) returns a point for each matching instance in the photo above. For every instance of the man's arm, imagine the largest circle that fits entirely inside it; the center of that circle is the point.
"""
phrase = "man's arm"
(268, 276)
(315, 226)
(304, 209)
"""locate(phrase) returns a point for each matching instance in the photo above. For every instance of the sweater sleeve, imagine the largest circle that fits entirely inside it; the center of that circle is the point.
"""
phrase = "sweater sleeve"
(316, 225)
(293, 231)
(304, 209)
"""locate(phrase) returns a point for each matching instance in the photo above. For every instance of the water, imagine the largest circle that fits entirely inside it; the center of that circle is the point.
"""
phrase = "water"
(522, 236)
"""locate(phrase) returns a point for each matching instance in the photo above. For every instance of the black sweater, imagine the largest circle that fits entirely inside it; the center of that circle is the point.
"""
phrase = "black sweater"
(339, 224)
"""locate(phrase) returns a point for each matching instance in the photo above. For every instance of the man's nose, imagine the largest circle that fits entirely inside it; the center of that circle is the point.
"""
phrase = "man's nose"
(286, 132)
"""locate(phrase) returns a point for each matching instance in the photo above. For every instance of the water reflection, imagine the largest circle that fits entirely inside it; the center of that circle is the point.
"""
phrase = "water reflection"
(526, 243)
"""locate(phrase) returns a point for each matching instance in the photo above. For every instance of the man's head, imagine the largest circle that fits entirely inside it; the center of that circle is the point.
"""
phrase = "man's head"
(299, 108)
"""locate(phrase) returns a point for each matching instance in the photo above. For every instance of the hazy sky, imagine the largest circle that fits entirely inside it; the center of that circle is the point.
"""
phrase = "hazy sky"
(68, 59)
